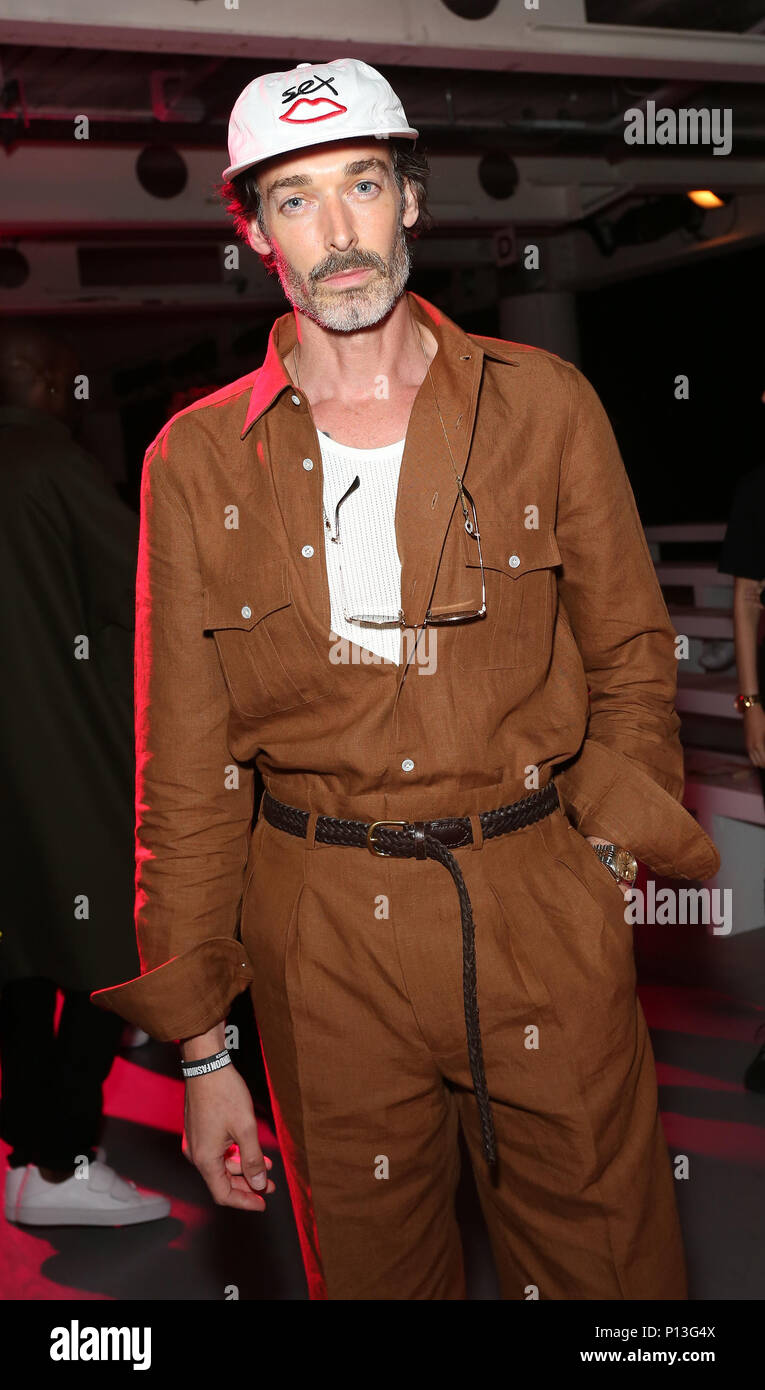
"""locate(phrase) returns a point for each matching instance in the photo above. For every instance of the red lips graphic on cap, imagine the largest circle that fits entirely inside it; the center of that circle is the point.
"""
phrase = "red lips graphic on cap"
(332, 108)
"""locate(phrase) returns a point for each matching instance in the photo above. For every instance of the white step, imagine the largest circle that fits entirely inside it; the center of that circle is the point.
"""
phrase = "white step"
(701, 622)
(694, 531)
(704, 693)
(722, 784)
(699, 573)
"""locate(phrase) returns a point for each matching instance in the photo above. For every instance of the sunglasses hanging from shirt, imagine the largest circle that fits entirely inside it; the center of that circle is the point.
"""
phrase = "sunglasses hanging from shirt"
(471, 527)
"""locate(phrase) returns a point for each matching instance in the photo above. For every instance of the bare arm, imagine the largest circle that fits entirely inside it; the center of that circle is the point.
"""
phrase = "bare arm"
(747, 614)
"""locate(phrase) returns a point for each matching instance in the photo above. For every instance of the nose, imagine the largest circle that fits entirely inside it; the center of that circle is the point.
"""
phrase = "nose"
(338, 231)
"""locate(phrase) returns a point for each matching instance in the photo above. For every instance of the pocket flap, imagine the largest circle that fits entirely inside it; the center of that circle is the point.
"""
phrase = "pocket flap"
(243, 602)
(513, 549)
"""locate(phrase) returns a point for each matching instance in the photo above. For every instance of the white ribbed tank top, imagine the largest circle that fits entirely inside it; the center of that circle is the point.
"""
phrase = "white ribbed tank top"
(371, 564)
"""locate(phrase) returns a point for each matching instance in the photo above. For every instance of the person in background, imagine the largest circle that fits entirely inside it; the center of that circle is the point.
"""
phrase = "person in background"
(743, 556)
(68, 548)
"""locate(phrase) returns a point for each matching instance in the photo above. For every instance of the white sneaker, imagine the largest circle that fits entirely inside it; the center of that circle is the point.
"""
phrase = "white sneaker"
(101, 1199)
(13, 1180)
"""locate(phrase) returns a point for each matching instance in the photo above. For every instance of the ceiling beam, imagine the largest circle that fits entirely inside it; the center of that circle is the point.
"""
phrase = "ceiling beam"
(424, 33)
(52, 191)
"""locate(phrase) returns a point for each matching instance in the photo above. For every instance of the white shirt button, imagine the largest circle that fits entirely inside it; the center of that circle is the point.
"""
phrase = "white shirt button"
(514, 561)
(296, 400)
(307, 551)
(246, 611)
(308, 465)
(407, 765)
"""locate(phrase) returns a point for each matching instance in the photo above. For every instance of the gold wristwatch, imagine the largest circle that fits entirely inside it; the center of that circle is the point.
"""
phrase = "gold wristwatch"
(619, 860)
(743, 702)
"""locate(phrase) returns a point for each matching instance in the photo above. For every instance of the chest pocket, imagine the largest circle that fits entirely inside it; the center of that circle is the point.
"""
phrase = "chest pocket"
(521, 591)
(268, 658)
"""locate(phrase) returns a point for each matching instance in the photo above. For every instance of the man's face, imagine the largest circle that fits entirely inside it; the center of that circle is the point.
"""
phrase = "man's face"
(335, 225)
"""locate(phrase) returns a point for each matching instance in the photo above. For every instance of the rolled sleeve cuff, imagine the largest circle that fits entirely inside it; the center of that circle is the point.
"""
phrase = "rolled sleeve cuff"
(184, 996)
(607, 794)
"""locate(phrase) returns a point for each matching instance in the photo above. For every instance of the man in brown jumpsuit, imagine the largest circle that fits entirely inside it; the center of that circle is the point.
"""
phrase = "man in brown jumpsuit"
(469, 962)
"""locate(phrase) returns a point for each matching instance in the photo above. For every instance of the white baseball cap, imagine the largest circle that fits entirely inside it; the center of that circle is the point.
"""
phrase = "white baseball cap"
(311, 105)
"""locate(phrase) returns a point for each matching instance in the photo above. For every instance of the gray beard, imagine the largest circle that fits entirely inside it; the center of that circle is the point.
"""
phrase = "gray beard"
(344, 311)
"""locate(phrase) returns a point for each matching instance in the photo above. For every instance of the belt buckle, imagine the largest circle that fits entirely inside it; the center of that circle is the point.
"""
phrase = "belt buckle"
(381, 853)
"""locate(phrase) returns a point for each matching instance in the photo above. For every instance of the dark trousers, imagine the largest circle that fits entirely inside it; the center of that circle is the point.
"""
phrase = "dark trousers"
(51, 1101)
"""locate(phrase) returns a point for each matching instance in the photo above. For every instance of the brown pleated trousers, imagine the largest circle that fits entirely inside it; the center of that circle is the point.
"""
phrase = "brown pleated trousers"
(358, 998)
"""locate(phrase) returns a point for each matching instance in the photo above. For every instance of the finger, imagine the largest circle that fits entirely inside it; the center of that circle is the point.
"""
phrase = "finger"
(254, 1166)
(240, 1184)
(233, 1162)
(229, 1191)
(235, 1156)
(233, 1159)
(226, 1194)
(242, 1199)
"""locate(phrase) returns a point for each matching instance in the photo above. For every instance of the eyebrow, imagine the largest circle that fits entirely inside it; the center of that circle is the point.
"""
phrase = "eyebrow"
(357, 166)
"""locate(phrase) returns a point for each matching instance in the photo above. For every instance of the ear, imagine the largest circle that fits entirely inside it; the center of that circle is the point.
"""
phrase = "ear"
(256, 238)
(411, 210)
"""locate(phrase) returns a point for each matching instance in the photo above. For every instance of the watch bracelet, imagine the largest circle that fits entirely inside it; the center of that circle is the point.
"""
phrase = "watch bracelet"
(605, 854)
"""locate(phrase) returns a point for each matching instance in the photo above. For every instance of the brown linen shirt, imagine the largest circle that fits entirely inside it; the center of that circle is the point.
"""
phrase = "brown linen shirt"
(572, 671)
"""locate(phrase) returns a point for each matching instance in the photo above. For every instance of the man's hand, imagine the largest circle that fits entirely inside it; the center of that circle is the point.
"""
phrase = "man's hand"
(220, 1130)
(754, 734)
(622, 882)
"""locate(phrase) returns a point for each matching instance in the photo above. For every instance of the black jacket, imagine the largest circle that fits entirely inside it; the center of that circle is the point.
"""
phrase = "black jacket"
(68, 548)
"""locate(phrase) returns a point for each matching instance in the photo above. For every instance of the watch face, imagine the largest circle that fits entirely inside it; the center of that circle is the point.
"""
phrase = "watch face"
(625, 865)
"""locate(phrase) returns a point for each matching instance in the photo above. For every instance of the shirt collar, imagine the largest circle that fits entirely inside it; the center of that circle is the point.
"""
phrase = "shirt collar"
(272, 378)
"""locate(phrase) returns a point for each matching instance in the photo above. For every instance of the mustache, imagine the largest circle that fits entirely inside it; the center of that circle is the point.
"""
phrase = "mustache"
(356, 260)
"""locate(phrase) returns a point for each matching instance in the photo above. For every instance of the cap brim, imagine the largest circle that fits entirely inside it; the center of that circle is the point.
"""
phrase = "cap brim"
(408, 133)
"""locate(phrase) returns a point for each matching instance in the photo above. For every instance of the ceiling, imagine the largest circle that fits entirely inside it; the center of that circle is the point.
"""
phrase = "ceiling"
(130, 97)
(542, 93)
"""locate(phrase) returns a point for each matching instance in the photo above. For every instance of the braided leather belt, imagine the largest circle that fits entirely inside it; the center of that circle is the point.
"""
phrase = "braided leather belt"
(434, 839)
